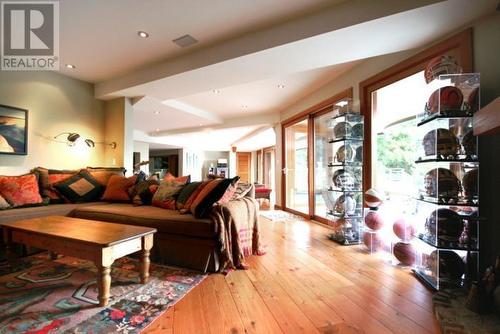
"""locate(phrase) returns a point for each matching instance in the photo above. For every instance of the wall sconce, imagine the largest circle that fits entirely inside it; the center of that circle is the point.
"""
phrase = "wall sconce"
(73, 137)
(70, 139)
(91, 143)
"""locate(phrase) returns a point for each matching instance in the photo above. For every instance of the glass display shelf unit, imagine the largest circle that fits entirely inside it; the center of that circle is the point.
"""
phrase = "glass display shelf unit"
(440, 268)
(344, 194)
(448, 183)
(347, 230)
(343, 107)
(345, 178)
(457, 96)
(447, 178)
(448, 227)
(447, 139)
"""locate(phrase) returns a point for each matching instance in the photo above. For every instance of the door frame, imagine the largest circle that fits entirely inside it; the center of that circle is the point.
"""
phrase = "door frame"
(310, 114)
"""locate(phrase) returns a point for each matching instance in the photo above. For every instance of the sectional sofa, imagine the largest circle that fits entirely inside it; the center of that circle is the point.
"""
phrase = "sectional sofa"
(182, 239)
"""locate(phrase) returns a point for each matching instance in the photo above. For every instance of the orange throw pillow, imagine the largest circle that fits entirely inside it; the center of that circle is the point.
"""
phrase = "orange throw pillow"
(20, 190)
(117, 189)
(181, 179)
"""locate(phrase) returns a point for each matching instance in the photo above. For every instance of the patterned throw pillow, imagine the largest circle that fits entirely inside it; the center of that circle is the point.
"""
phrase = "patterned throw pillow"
(117, 189)
(80, 188)
(142, 193)
(168, 191)
(210, 195)
(103, 174)
(185, 194)
(4, 204)
(229, 194)
(21, 190)
(47, 177)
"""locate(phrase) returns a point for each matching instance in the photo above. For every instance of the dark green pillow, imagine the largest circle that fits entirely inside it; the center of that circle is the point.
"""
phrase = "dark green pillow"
(185, 193)
(80, 188)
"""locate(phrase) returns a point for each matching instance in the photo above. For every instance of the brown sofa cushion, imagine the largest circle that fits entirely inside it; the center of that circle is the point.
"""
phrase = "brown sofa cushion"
(41, 211)
(165, 221)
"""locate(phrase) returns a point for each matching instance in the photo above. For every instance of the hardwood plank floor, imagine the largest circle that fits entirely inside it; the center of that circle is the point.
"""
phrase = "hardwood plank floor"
(304, 284)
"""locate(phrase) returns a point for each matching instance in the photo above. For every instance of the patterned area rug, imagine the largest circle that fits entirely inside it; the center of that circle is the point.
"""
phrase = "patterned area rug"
(278, 215)
(43, 296)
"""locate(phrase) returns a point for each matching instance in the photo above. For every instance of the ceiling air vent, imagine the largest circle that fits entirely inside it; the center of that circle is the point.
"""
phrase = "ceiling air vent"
(185, 41)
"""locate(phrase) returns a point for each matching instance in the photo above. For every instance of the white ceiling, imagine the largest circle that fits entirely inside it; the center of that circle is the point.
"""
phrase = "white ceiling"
(265, 95)
(246, 49)
(110, 28)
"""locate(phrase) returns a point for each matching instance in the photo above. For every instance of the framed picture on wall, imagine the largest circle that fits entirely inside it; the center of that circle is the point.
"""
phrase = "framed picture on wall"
(13, 130)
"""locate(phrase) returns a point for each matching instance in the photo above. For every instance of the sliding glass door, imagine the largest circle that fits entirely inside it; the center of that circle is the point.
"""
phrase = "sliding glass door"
(306, 155)
(296, 169)
(322, 152)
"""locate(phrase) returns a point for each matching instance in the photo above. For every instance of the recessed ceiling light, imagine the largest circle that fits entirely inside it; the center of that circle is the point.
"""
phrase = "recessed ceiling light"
(281, 86)
(156, 112)
(143, 34)
(157, 130)
(201, 124)
(216, 91)
(70, 66)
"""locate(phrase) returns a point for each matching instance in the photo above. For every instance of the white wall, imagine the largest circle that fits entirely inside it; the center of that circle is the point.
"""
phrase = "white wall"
(56, 104)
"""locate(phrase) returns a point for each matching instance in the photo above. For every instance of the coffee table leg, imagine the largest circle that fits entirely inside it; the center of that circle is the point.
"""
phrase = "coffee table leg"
(147, 244)
(52, 255)
(9, 251)
(104, 284)
(103, 263)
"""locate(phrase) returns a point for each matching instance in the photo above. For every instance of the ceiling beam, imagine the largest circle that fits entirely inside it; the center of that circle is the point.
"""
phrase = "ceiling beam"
(251, 120)
(187, 108)
(252, 134)
(335, 18)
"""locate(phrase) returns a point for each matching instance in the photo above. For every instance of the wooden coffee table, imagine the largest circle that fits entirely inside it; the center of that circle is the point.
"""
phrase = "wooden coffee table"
(96, 241)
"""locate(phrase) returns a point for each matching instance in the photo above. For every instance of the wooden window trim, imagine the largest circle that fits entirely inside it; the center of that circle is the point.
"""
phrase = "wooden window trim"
(310, 113)
(461, 41)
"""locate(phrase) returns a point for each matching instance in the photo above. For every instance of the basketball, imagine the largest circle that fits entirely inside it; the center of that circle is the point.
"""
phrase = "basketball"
(445, 180)
(345, 153)
(373, 220)
(342, 129)
(372, 241)
(373, 198)
(441, 65)
(404, 230)
(445, 98)
(440, 142)
(470, 183)
(405, 253)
